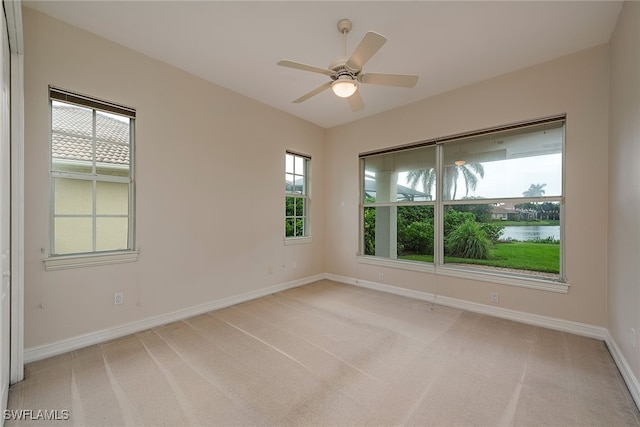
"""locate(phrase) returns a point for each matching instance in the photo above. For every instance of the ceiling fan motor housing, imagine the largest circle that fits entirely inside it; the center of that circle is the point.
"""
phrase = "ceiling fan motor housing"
(339, 68)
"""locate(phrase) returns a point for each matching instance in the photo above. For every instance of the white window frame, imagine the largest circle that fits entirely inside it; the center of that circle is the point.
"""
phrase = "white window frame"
(94, 257)
(438, 266)
(304, 194)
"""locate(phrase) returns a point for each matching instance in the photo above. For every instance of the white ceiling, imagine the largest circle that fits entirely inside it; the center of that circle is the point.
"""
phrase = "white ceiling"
(448, 44)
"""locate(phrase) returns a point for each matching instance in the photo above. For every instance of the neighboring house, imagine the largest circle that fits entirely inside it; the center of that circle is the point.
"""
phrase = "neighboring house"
(508, 212)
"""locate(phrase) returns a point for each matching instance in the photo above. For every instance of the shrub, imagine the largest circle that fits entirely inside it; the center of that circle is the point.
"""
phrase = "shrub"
(417, 238)
(468, 240)
(493, 231)
(453, 219)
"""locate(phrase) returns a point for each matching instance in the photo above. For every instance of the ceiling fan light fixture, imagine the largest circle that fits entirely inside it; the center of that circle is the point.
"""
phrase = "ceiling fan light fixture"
(344, 87)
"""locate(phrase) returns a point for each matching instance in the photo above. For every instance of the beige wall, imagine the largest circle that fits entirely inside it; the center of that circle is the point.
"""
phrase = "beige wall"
(624, 185)
(576, 85)
(210, 188)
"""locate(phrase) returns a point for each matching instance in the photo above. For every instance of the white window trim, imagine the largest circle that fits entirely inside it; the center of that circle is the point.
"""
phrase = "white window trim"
(297, 240)
(63, 262)
(87, 259)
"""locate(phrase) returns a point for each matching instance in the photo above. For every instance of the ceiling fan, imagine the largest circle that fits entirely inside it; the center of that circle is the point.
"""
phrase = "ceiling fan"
(346, 72)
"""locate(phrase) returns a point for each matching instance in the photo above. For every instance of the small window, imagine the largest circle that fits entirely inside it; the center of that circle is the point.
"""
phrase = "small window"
(91, 175)
(296, 195)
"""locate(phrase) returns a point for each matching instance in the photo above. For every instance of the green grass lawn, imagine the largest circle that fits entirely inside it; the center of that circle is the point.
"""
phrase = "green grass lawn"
(517, 255)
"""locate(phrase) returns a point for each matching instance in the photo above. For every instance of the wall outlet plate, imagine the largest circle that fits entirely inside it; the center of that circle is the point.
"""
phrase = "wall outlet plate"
(118, 298)
(495, 297)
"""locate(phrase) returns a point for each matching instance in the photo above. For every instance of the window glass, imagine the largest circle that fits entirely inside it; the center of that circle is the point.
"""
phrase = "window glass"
(401, 176)
(504, 165)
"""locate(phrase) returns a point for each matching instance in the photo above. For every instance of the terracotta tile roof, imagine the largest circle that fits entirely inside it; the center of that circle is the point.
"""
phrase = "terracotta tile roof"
(72, 133)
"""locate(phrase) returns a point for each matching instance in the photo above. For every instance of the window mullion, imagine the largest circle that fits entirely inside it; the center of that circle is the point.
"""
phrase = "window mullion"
(438, 216)
(94, 221)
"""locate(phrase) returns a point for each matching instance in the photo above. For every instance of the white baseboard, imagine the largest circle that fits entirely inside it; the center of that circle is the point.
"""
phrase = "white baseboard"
(70, 344)
(625, 370)
(518, 316)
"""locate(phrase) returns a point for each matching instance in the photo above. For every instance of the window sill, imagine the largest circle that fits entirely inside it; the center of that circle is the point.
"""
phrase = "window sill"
(393, 263)
(297, 240)
(469, 273)
(64, 262)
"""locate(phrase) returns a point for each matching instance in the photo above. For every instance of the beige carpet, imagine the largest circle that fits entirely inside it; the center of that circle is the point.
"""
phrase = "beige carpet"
(333, 355)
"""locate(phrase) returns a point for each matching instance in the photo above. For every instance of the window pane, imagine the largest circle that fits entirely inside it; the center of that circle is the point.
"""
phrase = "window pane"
(380, 228)
(300, 210)
(511, 164)
(290, 224)
(415, 233)
(298, 165)
(112, 159)
(403, 232)
(71, 154)
(288, 182)
(301, 184)
(73, 235)
(290, 203)
(112, 234)
(73, 197)
(300, 227)
(112, 128)
(71, 138)
(288, 160)
(71, 119)
(112, 198)
(401, 176)
(527, 240)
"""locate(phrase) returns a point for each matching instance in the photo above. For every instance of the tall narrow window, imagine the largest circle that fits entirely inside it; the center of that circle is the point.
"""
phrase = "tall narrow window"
(296, 195)
(484, 201)
(91, 175)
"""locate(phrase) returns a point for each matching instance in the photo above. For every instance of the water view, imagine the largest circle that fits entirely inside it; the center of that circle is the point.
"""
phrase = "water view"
(531, 232)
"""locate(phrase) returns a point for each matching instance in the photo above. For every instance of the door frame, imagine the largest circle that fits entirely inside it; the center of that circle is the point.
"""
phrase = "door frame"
(13, 17)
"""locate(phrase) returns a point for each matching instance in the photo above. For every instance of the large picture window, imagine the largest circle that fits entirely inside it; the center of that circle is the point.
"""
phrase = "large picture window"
(486, 201)
(91, 175)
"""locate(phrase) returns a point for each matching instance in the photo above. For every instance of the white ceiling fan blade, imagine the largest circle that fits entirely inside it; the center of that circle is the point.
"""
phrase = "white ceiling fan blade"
(355, 102)
(400, 80)
(305, 67)
(314, 92)
(369, 45)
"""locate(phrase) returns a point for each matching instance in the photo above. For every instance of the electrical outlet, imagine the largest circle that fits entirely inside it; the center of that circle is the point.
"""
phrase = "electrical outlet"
(118, 298)
(495, 297)
(294, 265)
(633, 337)
(270, 269)
(381, 277)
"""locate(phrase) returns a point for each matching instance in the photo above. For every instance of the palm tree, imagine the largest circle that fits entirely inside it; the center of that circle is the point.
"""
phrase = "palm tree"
(471, 172)
(535, 190)
(426, 177)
